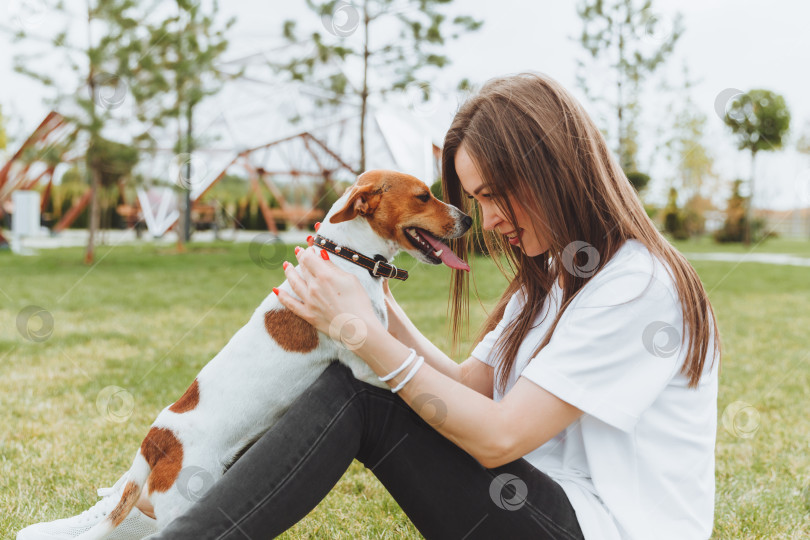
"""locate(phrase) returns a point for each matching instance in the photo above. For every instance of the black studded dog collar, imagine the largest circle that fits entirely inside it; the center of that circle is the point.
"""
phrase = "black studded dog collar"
(377, 267)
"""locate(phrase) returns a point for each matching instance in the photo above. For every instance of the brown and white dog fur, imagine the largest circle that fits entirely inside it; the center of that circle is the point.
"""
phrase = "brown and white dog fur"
(271, 360)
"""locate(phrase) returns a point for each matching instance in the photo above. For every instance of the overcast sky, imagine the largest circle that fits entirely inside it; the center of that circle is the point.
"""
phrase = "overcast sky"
(738, 44)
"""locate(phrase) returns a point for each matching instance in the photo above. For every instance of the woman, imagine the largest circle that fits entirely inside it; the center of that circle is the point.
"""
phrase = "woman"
(586, 410)
(603, 419)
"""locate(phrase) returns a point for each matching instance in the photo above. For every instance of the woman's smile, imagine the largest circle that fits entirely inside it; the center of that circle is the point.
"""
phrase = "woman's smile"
(514, 237)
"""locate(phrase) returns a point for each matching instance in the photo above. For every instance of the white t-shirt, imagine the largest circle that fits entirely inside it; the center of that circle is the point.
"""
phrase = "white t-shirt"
(639, 463)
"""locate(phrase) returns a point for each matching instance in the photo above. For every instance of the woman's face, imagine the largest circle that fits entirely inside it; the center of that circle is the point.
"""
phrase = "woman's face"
(518, 234)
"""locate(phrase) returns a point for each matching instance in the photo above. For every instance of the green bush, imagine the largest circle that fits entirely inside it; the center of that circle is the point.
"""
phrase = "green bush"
(674, 220)
(638, 179)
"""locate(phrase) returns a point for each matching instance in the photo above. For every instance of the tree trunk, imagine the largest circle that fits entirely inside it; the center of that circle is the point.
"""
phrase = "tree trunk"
(95, 182)
(364, 93)
(179, 227)
(190, 150)
(749, 206)
(95, 179)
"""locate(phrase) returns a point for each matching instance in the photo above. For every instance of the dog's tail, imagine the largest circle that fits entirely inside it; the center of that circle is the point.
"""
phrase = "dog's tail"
(135, 479)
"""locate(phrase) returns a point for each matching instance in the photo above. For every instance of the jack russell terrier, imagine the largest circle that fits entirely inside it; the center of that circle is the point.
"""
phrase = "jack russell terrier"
(271, 360)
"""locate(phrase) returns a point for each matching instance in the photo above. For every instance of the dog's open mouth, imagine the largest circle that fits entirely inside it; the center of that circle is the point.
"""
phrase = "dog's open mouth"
(434, 249)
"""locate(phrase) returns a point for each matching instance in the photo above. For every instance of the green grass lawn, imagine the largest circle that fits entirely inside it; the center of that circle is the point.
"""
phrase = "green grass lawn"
(704, 244)
(146, 319)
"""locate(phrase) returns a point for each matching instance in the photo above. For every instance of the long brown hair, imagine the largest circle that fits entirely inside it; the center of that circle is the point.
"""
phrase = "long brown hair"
(532, 142)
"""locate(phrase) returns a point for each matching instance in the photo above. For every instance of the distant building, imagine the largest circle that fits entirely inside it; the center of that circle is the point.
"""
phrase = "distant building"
(787, 223)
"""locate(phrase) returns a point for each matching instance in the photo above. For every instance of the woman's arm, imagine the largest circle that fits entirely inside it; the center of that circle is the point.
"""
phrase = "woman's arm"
(494, 433)
(472, 373)
(401, 327)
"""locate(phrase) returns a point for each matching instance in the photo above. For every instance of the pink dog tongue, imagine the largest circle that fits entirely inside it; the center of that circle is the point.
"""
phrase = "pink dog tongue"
(448, 257)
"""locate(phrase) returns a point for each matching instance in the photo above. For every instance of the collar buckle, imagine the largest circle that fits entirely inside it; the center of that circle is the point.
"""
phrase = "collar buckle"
(379, 259)
(376, 267)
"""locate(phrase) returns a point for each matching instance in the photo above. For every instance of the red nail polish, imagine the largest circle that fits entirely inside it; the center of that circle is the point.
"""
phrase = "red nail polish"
(275, 290)
(317, 225)
(309, 239)
(285, 264)
(297, 249)
(324, 255)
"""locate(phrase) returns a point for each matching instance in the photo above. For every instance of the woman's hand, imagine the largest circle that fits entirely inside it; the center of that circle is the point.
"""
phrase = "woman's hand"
(329, 297)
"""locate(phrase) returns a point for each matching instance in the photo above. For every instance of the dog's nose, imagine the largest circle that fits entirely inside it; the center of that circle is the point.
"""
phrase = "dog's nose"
(467, 221)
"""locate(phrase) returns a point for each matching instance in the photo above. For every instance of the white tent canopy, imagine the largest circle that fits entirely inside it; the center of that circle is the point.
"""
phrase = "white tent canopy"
(246, 116)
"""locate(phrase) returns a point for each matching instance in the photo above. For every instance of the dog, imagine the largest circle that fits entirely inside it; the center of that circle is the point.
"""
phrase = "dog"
(271, 360)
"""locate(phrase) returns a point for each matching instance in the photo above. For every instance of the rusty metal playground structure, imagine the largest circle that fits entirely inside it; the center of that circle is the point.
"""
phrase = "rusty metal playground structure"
(282, 164)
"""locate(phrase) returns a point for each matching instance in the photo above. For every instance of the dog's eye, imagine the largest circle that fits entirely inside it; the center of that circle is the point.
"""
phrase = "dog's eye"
(424, 197)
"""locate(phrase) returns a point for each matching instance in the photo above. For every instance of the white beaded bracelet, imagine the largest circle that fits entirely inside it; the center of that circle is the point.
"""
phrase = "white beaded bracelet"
(397, 371)
(410, 375)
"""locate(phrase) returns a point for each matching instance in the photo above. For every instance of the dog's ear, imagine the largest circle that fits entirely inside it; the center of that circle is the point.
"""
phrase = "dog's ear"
(362, 201)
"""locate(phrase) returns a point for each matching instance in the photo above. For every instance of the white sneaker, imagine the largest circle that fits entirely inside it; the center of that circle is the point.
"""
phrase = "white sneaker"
(135, 526)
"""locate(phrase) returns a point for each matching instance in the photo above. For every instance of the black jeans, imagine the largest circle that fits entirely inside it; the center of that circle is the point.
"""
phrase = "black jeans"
(444, 491)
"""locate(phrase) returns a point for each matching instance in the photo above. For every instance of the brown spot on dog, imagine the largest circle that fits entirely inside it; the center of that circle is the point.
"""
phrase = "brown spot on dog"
(291, 332)
(128, 500)
(164, 453)
(189, 400)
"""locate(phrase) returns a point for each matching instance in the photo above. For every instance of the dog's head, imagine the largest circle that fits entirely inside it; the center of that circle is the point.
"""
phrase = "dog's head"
(401, 209)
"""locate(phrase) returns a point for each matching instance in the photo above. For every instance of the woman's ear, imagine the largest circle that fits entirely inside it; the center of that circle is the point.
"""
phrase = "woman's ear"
(363, 201)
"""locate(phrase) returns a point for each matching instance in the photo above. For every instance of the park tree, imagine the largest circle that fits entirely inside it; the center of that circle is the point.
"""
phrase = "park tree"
(408, 35)
(170, 70)
(673, 217)
(87, 100)
(683, 147)
(694, 214)
(629, 41)
(115, 162)
(759, 120)
(736, 222)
